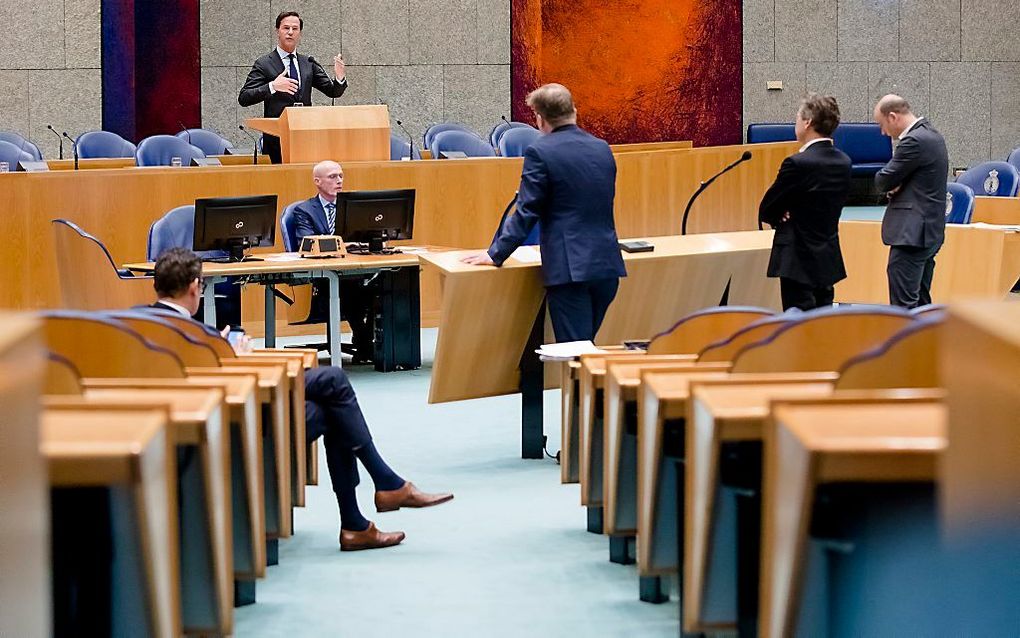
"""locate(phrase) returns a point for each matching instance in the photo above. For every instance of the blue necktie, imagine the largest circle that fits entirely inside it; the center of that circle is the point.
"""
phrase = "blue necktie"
(331, 216)
(293, 70)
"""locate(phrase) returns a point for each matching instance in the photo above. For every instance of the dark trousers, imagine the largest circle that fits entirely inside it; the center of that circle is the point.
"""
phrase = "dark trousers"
(357, 303)
(332, 412)
(910, 272)
(577, 309)
(271, 147)
(804, 296)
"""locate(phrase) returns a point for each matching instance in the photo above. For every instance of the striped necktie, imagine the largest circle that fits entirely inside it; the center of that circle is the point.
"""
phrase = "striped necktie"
(331, 216)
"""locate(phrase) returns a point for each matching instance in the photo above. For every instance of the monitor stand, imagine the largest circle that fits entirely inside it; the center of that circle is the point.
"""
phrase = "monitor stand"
(237, 254)
(376, 246)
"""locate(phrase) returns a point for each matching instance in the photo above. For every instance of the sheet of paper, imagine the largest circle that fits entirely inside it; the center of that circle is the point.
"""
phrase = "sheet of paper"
(283, 257)
(1006, 227)
(567, 351)
(527, 255)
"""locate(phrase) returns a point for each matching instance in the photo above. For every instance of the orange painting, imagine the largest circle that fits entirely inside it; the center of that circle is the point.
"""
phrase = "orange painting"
(639, 70)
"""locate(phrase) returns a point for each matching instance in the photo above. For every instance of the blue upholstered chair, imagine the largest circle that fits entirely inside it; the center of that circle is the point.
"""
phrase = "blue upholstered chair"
(400, 148)
(210, 142)
(289, 232)
(103, 144)
(176, 229)
(868, 149)
(992, 179)
(762, 133)
(1014, 158)
(12, 154)
(436, 129)
(22, 143)
(959, 203)
(501, 128)
(465, 142)
(513, 142)
(159, 150)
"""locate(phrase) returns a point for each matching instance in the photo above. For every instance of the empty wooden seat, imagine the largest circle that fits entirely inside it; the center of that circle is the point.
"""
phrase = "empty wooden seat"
(696, 331)
(89, 276)
(909, 359)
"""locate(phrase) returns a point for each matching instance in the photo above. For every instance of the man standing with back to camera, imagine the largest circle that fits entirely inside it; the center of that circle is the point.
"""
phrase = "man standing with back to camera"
(284, 77)
(568, 184)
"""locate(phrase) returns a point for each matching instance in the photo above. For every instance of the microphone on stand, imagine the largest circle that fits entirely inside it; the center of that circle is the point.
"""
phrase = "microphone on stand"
(255, 146)
(503, 117)
(332, 100)
(410, 140)
(704, 185)
(50, 126)
(74, 147)
(185, 129)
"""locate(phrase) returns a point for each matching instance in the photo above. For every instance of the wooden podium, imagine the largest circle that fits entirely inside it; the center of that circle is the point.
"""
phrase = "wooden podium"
(340, 133)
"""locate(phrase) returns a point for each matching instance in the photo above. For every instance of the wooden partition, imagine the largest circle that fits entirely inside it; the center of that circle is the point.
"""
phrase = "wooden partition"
(997, 210)
(316, 133)
(458, 204)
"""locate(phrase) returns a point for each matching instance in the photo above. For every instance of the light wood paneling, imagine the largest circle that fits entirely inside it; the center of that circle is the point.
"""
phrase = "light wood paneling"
(996, 210)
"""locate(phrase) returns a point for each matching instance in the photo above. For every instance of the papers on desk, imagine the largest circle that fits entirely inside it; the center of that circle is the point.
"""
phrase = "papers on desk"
(1006, 227)
(413, 250)
(568, 351)
(527, 255)
(283, 257)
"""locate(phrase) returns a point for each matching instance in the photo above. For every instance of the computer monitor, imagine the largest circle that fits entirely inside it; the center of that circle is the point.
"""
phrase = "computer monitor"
(375, 216)
(234, 224)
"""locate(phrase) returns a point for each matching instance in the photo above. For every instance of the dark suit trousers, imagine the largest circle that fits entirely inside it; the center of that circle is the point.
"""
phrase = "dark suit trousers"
(577, 309)
(804, 296)
(910, 272)
(332, 412)
(271, 147)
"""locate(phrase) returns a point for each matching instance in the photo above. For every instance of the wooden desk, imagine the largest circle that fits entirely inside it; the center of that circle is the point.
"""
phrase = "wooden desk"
(811, 443)
(200, 429)
(130, 453)
(242, 159)
(457, 204)
(722, 412)
(973, 262)
(996, 210)
(570, 468)
(25, 600)
(979, 356)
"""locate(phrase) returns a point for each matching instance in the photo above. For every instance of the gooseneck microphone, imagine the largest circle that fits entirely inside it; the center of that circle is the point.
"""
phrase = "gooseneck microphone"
(59, 137)
(332, 100)
(687, 211)
(74, 147)
(255, 145)
(410, 139)
(185, 129)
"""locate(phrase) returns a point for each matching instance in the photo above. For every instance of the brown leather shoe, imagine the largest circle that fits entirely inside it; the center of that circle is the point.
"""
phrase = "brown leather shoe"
(370, 538)
(407, 496)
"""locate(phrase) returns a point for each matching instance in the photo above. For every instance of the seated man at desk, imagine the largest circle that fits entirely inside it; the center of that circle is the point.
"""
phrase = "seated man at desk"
(317, 216)
(331, 411)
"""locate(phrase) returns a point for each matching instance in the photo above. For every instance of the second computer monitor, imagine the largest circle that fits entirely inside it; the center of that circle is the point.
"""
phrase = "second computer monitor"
(234, 224)
(375, 216)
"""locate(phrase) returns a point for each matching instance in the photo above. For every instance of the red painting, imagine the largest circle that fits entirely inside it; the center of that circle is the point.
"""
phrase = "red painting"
(639, 70)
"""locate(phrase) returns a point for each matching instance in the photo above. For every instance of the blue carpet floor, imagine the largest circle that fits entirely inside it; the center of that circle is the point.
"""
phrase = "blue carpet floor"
(507, 557)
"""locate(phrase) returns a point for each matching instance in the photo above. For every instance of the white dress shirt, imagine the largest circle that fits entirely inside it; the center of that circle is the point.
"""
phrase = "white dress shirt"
(177, 307)
(285, 58)
(911, 127)
(814, 141)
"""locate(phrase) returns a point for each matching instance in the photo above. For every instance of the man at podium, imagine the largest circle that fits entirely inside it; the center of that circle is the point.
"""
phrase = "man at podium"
(283, 78)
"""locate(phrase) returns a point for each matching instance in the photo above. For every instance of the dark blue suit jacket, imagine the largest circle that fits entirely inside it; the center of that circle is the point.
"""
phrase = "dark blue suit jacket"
(568, 184)
(310, 219)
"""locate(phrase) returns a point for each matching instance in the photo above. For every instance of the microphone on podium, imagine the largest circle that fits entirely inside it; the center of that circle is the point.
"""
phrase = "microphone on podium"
(410, 139)
(185, 129)
(59, 137)
(332, 100)
(74, 147)
(704, 185)
(255, 145)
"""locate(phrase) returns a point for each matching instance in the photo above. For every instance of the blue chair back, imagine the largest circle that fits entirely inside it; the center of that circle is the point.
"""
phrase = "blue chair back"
(515, 141)
(103, 144)
(176, 229)
(464, 141)
(497, 131)
(210, 142)
(400, 148)
(959, 203)
(22, 143)
(12, 154)
(1014, 158)
(762, 133)
(992, 179)
(159, 150)
(863, 142)
(290, 240)
(434, 130)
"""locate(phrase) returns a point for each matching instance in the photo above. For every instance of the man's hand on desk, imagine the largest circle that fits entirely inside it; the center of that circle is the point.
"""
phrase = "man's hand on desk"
(478, 259)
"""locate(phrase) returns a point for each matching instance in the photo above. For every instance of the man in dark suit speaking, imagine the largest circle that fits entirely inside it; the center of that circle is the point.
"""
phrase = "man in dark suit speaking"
(804, 205)
(567, 185)
(282, 78)
(914, 224)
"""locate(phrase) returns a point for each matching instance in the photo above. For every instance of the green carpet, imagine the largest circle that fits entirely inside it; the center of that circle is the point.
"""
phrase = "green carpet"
(507, 557)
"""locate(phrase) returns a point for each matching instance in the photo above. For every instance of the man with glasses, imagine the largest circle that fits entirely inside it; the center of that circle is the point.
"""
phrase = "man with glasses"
(317, 216)
(331, 411)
